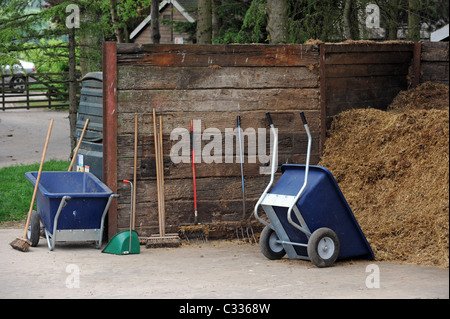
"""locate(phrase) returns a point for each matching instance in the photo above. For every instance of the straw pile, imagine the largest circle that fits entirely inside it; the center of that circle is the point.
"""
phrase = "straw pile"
(393, 168)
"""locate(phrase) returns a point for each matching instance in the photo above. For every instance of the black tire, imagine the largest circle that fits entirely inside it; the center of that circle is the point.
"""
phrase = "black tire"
(34, 229)
(17, 84)
(323, 247)
(269, 247)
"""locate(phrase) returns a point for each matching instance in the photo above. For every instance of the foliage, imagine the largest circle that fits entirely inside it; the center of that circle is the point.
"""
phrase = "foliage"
(322, 20)
(255, 22)
(231, 16)
(36, 30)
(314, 20)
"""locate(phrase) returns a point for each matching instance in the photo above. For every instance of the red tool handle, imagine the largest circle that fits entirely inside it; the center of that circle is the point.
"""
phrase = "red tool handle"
(126, 181)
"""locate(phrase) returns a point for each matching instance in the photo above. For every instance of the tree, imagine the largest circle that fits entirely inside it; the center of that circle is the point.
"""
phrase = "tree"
(414, 20)
(156, 36)
(118, 30)
(277, 12)
(204, 22)
(347, 19)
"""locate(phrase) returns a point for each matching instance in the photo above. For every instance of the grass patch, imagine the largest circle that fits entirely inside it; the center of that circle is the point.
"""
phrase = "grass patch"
(16, 191)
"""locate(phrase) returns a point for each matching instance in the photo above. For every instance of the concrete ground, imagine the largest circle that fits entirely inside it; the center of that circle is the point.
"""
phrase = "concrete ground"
(218, 269)
(221, 269)
(23, 133)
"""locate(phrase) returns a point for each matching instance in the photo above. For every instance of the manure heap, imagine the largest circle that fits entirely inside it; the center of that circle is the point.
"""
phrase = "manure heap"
(393, 168)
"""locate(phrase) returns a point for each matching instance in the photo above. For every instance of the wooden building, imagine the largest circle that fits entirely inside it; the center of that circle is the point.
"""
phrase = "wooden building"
(169, 11)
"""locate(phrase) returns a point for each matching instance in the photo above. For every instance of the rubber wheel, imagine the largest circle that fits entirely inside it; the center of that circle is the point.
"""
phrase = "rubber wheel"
(17, 84)
(34, 229)
(269, 247)
(323, 247)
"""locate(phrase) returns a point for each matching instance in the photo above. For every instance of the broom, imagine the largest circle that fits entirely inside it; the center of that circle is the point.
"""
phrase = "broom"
(163, 240)
(23, 244)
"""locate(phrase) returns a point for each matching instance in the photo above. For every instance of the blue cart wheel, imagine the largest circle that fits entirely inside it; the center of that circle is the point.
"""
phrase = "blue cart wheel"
(323, 247)
(34, 229)
(269, 245)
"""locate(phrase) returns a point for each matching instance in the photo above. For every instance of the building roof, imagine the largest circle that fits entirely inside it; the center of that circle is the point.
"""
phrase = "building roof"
(439, 34)
(185, 7)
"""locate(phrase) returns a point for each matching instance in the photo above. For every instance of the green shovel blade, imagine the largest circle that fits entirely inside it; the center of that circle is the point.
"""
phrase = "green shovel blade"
(120, 244)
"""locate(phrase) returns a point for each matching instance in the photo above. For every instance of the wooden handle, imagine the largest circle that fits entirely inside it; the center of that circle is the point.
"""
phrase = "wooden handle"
(135, 170)
(158, 182)
(161, 182)
(78, 146)
(38, 179)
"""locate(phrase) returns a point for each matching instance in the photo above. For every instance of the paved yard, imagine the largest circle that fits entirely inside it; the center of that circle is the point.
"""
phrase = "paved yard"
(219, 269)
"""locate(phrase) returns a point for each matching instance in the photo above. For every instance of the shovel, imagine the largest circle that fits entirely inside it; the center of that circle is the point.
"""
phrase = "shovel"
(127, 241)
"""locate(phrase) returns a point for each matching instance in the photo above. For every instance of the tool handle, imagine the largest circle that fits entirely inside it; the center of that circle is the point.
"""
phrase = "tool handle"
(38, 178)
(302, 114)
(269, 118)
(239, 121)
(78, 145)
(126, 181)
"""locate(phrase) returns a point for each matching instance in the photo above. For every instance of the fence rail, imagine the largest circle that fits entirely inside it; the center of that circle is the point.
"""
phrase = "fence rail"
(37, 90)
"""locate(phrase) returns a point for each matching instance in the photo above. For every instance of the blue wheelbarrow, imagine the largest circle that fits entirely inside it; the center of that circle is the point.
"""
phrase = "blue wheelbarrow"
(309, 217)
(71, 207)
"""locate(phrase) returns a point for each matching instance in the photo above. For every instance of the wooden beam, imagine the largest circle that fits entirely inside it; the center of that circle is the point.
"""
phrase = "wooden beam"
(323, 99)
(110, 128)
(194, 55)
(416, 64)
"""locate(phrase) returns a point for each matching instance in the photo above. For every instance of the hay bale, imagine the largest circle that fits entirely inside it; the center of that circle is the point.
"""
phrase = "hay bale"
(393, 168)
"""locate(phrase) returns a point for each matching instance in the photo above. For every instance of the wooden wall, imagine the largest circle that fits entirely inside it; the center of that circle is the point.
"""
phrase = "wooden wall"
(213, 84)
(434, 62)
(363, 75)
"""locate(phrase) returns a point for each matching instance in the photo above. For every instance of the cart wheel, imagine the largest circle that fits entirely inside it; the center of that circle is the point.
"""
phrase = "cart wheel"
(269, 246)
(323, 247)
(34, 229)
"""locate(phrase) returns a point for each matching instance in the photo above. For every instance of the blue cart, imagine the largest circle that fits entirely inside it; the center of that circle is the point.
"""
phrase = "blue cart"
(71, 206)
(308, 215)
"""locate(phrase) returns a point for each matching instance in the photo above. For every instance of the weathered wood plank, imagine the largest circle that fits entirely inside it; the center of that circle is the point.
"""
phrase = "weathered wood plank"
(436, 72)
(285, 121)
(366, 47)
(435, 51)
(292, 149)
(365, 70)
(188, 78)
(364, 83)
(364, 94)
(232, 100)
(369, 58)
(179, 213)
(211, 188)
(223, 55)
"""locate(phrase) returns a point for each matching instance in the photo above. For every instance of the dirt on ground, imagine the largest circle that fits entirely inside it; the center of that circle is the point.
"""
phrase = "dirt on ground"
(393, 169)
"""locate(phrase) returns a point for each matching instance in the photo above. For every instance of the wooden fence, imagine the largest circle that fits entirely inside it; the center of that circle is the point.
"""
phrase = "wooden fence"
(37, 90)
